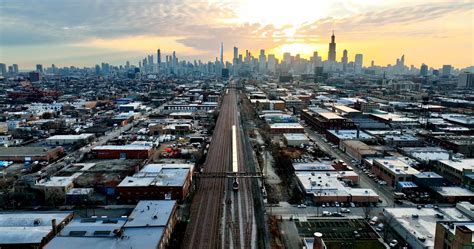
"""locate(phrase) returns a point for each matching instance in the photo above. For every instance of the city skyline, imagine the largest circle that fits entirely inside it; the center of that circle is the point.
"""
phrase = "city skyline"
(125, 31)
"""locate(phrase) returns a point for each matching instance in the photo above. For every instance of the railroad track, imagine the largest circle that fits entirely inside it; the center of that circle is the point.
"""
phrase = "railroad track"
(203, 231)
(221, 218)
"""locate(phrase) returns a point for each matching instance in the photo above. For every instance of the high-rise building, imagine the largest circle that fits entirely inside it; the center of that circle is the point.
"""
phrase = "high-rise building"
(423, 69)
(173, 62)
(39, 68)
(97, 70)
(3, 69)
(15, 68)
(344, 60)
(34, 76)
(262, 62)
(271, 66)
(158, 60)
(446, 70)
(222, 53)
(358, 62)
(286, 58)
(236, 53)
(466, 80)
(332, 48)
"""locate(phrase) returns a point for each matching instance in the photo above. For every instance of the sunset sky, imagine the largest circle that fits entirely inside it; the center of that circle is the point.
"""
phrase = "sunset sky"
(88, 32)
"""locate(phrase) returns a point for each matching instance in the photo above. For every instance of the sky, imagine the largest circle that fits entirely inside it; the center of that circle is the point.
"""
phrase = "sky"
(88, 32)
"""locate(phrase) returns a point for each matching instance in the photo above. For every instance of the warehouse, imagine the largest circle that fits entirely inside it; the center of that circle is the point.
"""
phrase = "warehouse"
(157, 182)
(148, 226)
(22, 230)
(358, 150)
(280, 128)
(131, 151)
(393, 170)
(81, 139)
(23, 154)
(325, 187)
(295, 139)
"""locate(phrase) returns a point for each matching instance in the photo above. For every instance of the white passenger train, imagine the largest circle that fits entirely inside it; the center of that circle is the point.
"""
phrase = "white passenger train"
(235, 163)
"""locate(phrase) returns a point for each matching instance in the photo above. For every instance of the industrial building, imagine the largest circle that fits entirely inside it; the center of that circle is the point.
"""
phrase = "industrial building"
(295, 139)
(157, 181)
(148, 226)
(455, 235)
(26, 230)
(358, 149)
(328, 187)
(418, 226)
(24, 154)
(457, 171)
(393, 170)
(131, 151)
(80, 139)
(323, 120)
(281, 128)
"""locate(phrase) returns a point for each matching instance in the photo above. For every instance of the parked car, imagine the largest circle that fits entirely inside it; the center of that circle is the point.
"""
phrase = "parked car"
(302, 206)
(345, 210)
(393, 243)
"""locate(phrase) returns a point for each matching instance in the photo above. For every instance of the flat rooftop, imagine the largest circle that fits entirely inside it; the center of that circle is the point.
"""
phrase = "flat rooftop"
(123, 147)
(396, 166)
(345, 109)
(151, 214)
(330, 115)
(159, 175)
(295, 136)
(453, 191)
(71, 137)
(24, 151)
(313, 166)
(20, 227)
(286, 126)
(427, 153)
(425, 224)
(460, 164)
(350, 134)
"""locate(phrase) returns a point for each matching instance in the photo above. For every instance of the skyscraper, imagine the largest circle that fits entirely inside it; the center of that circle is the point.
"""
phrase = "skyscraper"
(222, 53)
(262, 60)
(344, 60)
(158, 60)
(39, 68)
(423, 70)
(3, 68)
(332, 48)
(15, 68)
(287, 58)
(271, 67)
(446, 70)
(358, 61)
(236, 53)
(466, 80)
(173, 62)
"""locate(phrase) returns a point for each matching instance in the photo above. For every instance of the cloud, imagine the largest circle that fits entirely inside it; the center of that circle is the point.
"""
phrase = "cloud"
(381, 21)
(198, 27)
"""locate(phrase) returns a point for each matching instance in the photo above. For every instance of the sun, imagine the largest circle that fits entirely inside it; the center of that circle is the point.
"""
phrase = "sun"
(303, 49)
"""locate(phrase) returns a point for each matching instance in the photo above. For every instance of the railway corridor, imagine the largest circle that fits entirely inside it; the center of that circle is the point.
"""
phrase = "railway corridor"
(220, 217)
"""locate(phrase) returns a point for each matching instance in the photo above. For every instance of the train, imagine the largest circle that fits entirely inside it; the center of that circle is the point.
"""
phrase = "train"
(235, 185)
